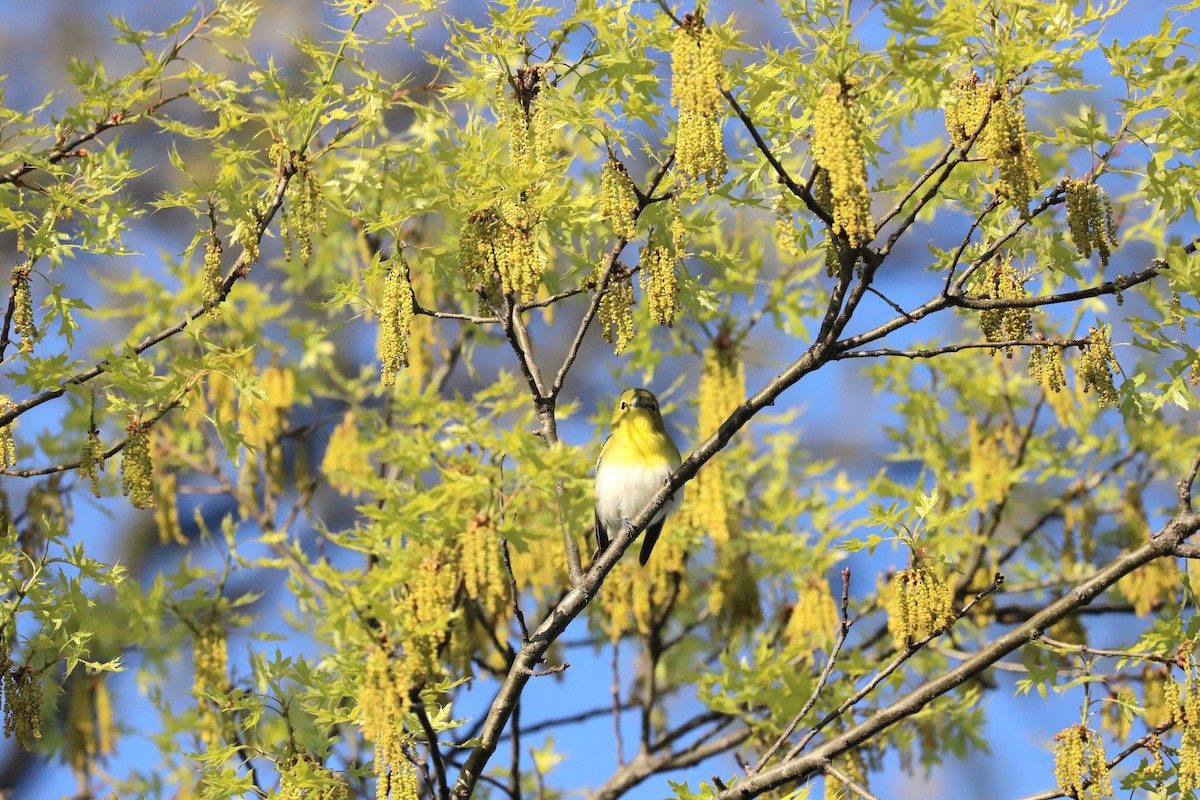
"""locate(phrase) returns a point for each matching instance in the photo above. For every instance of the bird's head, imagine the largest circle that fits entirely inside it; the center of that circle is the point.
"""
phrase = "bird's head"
(637, 404)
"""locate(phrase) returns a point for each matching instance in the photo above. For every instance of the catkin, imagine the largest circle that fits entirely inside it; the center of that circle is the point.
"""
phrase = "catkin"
(395, 323)
(1097, 365)
(137, 469)
(837, 147)
(659, 283)
(919, 605)
(1090, 219)
(696, 92)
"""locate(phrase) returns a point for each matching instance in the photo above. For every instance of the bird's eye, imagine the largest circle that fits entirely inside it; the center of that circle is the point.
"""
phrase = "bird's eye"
(624, 405)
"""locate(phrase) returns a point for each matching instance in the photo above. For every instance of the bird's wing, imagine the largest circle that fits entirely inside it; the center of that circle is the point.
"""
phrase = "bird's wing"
(601, 535)
(652, 533)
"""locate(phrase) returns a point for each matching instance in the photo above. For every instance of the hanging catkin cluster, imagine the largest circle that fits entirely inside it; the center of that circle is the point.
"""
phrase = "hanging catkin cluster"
(346, 464)
(1002, 141)
(1003, 145)
(823, 193)
(383, 702)
(502, 242)
(425, 608)
(483, 573)
(616, 310)
(1090, 218)
(263, 423)
(91, 460)
(918, 606)
(967, 106)
(814, 619)
(22, 692)
(210, 680)
(395, 323)
(1079, 762)
(696, 92)
(23, 323)
(526, 116)
(303, 778)
(137, 468)
(212, 276)
(1004, 324)
(1184, 705)
(308, 215)
(722, 389)
(1097, 365)
(1046, 367)
(618, 200)
(8, 443)
(785, 228)
(89, 723)
(837, 147)
(659, 283)
(166, 508)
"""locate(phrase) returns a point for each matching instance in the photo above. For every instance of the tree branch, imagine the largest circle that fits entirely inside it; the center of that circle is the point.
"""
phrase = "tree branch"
(843, 630)
(803, 767)
(240, 270)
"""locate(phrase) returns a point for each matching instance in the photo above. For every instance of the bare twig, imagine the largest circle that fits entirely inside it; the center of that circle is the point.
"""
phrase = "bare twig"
(833, 772)
(1067, 647)
(879, 677)
(616, 703)
(933, 352)
(1185, 485)
(431, 743)
(795, 188)
(1176, 530)
(514, 592)
(843, 630)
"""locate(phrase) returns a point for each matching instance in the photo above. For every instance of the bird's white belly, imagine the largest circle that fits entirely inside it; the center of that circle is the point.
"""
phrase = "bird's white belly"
(622, 491)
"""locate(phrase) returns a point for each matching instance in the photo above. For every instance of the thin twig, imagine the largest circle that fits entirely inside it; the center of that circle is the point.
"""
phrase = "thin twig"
(843, 630)
(1185, 485)
(833, 772)
(1054, 644)
(616, 703)
(435, 753)
(514, 592)
(571, 719)
(882, 675)
(574, 560)
(933, 352)
(799, 191)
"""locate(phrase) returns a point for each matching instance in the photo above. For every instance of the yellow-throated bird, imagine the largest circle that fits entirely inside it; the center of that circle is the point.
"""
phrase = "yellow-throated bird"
(637, 458)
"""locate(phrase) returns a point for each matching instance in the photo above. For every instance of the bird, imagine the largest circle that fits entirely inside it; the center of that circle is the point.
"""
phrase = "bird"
(635, 461)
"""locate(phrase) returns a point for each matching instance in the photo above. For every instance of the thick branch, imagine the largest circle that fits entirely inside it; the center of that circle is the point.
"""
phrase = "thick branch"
(646, 764)
(944, 301)
(806, 766)
(795, 188)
